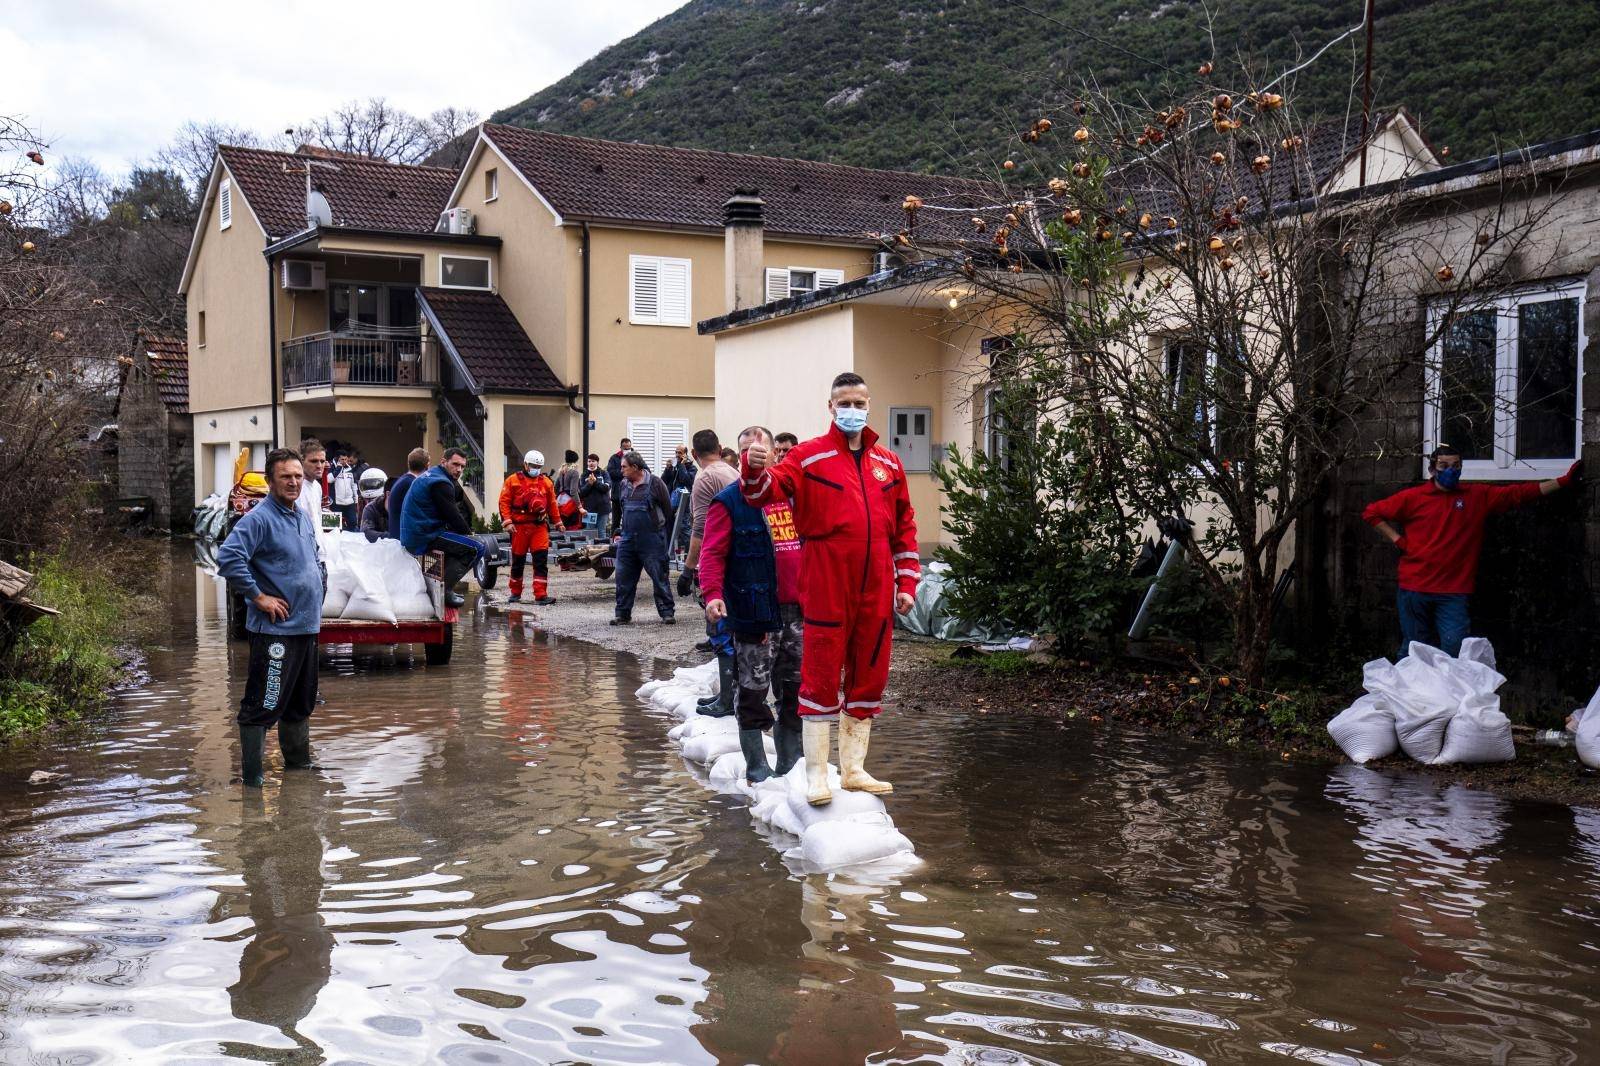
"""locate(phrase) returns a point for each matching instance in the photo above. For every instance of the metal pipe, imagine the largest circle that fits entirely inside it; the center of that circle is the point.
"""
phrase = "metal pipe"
(585, 357)
(272, 352)
(1366, 91)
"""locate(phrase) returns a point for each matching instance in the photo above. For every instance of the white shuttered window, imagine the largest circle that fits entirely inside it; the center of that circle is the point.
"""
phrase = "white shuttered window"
(784, 282)
(657, 439)
(225, 204)
(658, 291)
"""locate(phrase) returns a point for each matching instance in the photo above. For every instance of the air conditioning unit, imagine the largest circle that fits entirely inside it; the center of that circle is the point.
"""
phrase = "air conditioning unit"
(305, 274)
(885, 261)
(456, 220)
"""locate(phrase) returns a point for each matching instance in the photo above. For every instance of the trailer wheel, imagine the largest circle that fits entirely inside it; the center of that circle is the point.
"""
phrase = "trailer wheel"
(439, 654)
(487, 575)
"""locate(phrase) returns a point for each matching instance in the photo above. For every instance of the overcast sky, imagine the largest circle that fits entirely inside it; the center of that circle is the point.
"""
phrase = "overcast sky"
(112, 80)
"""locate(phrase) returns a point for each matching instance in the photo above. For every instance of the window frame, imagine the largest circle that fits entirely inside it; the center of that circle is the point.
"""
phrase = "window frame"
(225, 204)
(491, 185)
(200, 327)
(657, 319)
(489, 271)
(1505, 466)
(821, 278)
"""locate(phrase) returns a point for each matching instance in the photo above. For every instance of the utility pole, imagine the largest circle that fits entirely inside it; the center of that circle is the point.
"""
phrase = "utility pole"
(1366, 91)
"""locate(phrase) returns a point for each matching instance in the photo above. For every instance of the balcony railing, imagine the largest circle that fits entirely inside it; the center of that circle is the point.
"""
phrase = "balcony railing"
(372, 357)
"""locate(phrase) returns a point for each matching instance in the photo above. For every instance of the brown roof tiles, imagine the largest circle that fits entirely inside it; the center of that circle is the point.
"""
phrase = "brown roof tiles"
(169, 366)
(651, 184)
(362, 193)
(489, 341)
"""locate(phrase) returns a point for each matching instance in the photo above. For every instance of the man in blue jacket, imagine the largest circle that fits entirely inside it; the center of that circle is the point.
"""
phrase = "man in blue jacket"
(271, 559)
(431, 520)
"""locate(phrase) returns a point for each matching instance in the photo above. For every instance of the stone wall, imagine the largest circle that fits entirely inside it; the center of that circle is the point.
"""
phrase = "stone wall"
(153, 454)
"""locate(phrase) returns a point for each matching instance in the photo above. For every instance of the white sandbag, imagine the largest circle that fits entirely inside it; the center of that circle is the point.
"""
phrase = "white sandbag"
(1478, 650)
(648, 689)
(337, 597)
(369, 600)
(1586, 737)
(1428, 688)
(1365, 730)
(853, 841)
(1478, 733)
(706, 747)
(402, 578)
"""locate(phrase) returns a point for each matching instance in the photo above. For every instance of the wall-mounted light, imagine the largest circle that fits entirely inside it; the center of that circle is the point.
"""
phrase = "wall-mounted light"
(213, 423)
(955, 302)
(253, 421)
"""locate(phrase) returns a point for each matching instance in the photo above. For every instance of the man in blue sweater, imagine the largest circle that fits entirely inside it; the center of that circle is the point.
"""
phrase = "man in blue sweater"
(271, 559)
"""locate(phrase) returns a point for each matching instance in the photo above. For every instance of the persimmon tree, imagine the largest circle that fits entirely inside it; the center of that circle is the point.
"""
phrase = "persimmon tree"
(1215, 319)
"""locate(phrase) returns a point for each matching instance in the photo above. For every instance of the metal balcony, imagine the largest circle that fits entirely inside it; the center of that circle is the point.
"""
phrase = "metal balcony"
(371, 358)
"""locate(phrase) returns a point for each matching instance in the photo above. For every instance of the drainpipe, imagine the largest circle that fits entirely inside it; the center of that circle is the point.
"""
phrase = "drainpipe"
(272, 353)
(585, 355)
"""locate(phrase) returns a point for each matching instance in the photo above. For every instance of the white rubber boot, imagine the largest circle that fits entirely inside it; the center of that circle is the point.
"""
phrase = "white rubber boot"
(814, 735)
(854, 733)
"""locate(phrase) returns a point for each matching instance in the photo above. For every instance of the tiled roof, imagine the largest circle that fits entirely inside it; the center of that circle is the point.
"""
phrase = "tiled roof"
(169, 366)
(362, 193)
(652, 184)
(488, 340)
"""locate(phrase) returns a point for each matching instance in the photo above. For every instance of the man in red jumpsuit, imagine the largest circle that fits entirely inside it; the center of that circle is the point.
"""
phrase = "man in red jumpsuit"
(859, 566)
(528, 508)
(1440, 537)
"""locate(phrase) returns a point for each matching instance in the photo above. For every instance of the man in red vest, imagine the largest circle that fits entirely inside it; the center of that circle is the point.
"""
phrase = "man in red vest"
(528, 508)
(859, 566)
(1440, 538)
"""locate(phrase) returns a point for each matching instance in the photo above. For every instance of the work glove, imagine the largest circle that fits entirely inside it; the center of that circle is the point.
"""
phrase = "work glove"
(686, 581)
(1574, 473)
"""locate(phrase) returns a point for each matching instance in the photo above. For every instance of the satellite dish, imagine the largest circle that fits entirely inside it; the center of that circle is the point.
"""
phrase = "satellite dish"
(318, 213)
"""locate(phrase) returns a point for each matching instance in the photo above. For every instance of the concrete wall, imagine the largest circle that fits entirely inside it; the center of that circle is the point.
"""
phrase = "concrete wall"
(778, 375)
(232, 431)
(229, 286)
(154, 457)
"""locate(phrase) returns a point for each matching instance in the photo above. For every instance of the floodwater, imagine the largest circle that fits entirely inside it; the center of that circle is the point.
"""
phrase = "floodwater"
(505, 863)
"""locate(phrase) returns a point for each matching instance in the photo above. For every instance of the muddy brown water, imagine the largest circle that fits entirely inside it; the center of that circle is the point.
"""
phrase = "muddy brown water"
(504, 862)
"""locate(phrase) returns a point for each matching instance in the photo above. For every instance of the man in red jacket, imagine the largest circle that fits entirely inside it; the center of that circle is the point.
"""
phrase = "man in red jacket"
(859, 566)
(1440, 539)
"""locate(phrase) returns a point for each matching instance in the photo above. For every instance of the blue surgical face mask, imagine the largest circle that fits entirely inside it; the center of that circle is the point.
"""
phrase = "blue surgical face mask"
(1449, 477)
(850, 420)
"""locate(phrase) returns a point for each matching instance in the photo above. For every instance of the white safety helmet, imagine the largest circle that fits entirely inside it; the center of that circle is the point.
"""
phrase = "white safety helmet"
(534, 457)
(373, 482)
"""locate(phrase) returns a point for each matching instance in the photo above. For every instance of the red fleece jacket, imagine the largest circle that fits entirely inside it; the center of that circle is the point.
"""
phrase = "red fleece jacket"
(1442, 532)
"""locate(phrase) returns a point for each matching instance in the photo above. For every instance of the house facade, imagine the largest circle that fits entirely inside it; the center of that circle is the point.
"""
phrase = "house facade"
(545, 296)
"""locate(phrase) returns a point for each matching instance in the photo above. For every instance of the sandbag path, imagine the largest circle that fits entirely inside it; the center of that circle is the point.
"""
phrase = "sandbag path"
(853, 833)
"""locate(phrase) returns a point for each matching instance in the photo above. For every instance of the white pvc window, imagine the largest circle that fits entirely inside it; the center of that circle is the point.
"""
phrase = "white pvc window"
(1504, 382)
(464, 272)
(491, 184)
(784, 282)
(658, 290)
(225, 204)
(657, 439)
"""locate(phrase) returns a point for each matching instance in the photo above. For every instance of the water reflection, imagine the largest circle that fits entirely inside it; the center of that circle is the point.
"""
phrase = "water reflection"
(505, 862)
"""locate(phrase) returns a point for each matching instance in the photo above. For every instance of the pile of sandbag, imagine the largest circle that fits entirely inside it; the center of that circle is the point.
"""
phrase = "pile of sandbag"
(855, 830)
(373, 581)
(1438, 709)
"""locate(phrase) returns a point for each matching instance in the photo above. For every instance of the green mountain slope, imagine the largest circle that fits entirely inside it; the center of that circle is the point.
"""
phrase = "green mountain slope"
(927, 84)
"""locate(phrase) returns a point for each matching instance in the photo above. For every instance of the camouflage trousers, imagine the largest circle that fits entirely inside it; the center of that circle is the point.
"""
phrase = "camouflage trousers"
(770, 663)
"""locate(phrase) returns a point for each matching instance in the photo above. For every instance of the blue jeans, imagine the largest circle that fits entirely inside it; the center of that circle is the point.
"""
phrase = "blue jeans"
(1436, 618)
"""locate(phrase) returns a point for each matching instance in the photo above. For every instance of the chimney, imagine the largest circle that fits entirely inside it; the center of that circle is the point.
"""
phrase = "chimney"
(742, 267)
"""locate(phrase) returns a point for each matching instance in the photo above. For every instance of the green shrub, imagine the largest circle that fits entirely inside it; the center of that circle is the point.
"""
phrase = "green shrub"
(62, 666)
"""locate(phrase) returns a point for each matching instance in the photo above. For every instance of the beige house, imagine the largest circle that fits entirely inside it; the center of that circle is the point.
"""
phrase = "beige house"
(912, 333)
(543, 297)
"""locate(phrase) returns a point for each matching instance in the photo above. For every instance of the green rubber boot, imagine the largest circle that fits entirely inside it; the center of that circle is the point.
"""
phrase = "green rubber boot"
(721, 705)
(252, 739)
(294, 740)
(756, 769)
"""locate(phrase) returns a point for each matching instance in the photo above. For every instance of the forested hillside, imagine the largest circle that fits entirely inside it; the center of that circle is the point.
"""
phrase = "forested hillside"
(925, 84)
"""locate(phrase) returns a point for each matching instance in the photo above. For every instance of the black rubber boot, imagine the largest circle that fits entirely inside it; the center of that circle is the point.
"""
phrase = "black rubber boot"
(721, 705)
(756, 769)
(252, 740)
(786, 738)
(294, 740)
